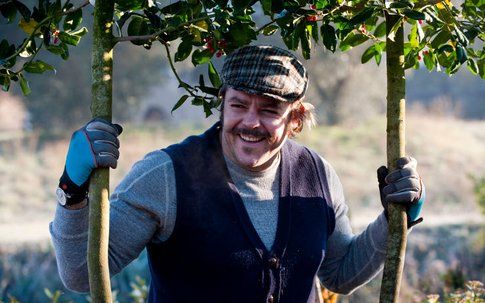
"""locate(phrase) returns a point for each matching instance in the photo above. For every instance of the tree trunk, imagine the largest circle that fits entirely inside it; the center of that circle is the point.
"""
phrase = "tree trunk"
(102, 65)
(396, 89)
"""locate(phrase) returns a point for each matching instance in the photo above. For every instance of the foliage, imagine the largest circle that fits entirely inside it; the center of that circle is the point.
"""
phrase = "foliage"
(474, 293)
(440, 34)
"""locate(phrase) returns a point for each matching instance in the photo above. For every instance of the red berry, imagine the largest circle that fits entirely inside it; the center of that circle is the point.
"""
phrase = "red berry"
(313, 6)
(312, 18)
(425, 52)
(419, 57)
(219, 53)
(420, 21)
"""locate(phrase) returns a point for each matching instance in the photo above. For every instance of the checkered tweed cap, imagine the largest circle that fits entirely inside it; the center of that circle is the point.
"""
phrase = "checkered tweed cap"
(266, 70)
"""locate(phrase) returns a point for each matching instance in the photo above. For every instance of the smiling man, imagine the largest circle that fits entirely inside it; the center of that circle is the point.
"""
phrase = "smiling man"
(239, 213)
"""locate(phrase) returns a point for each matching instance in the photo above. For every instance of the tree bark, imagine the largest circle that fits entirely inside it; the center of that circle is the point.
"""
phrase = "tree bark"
(396, 90)
(102, 66)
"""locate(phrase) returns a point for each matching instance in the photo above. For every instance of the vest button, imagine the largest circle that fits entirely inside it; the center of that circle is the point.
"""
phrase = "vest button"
(274, 263)
(270, 299)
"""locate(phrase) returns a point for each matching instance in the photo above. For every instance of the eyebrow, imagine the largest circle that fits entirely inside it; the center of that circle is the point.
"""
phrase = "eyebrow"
(266, 103)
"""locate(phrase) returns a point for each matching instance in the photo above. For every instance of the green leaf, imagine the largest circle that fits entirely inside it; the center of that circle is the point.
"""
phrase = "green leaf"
(184, 50)
(368, 54)
(314, 31)
(131, 5)
(429, 60)
(380, 30)
(179, 103)
(441, 38)
(270, 29)
(4, 82)
(392, 33)
(415, 15)
(214, 76)
(461, 37)
(472, 66)
(138, 27)
(69, 39)
(80, 32)
(9, 11)
(23, 10)
(446, 48)
(352, 40)
(306, 43)
(24, 85)
(329, 37)
(207, 109)
(241, 4)
(201, 57)
(461, 54)
(73, 20)
(197, 101)
(37, 67)
(266, 4)
(362, 16)
(401, 4)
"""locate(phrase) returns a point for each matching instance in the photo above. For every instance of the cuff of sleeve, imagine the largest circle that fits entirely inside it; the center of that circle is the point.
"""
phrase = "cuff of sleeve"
(70, 223)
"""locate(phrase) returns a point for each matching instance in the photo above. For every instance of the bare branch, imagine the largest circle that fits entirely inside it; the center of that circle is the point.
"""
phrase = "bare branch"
(72, 10)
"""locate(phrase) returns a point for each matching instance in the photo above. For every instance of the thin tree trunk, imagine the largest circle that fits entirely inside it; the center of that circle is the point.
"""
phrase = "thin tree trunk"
(102, 65)
(396, 89)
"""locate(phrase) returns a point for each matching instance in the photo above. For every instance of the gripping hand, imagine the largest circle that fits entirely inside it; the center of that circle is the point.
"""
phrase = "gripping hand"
(403, 186)
(94, 145)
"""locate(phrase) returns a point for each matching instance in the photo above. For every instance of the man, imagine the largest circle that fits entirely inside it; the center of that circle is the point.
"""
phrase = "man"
(237, 214)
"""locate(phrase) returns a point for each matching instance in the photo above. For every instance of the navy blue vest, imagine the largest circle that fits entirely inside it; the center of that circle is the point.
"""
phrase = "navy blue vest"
(214, 253)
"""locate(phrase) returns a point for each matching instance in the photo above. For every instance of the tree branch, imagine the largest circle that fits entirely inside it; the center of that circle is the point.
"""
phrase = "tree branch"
(155, 35)
(72, 10)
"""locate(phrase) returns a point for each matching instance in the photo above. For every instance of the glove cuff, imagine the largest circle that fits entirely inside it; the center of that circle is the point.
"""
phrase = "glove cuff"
(75, 193)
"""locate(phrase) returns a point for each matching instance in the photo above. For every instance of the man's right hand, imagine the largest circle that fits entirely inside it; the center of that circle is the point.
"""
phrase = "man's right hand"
(94, 145)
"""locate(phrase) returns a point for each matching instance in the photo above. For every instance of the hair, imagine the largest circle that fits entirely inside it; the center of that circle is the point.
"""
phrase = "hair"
(303, 112)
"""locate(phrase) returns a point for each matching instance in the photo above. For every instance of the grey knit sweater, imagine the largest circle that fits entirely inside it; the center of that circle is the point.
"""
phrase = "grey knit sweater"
(143, 209)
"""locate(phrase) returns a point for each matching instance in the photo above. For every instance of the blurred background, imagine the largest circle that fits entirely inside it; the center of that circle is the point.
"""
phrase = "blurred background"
(445, 132)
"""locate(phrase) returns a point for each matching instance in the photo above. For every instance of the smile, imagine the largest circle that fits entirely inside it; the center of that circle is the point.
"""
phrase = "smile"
(249, 138)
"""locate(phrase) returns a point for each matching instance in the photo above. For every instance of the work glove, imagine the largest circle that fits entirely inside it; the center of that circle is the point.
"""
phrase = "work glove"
(403, 186)
(92, 146)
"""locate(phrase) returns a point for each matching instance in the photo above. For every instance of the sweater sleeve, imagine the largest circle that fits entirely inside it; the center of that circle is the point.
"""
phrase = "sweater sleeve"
(351, 260)
(142, 209)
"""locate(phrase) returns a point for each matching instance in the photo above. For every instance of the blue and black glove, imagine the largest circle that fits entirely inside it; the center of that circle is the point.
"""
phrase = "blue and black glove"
(403, 186)
(95, 145)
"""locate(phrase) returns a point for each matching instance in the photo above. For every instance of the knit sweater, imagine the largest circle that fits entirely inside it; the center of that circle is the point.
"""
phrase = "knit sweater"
(144, 206)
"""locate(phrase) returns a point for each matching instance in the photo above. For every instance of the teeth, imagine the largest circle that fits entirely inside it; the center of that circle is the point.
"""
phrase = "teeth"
(250, 138)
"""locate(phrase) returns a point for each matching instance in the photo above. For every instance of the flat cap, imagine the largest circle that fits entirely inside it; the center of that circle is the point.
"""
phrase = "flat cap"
(265, 70)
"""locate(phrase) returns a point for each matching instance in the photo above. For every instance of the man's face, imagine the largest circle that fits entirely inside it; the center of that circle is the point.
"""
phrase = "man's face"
(254, 129)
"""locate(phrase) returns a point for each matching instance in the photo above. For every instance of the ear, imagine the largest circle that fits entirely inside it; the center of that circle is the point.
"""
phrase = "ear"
(297, 116)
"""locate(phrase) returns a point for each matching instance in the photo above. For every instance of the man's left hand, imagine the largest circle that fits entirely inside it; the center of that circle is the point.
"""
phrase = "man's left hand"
(403, 186)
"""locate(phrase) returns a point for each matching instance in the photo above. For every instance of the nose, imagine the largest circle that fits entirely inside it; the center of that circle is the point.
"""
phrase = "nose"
(251, 119)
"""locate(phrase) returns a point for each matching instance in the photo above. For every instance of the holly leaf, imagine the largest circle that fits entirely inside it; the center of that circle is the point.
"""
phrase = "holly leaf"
(24, 85)
(37, 67)
(138, 27)
(214, 76)
(73, 20)
(179, 103)
(183, 51)
(201, 57)
(69, 39)
(415, 15)
(23, 10)
(329, 37)
(269, 30)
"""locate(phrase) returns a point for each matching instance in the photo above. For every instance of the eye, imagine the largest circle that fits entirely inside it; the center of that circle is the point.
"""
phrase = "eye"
(270, 111)
(237, 106)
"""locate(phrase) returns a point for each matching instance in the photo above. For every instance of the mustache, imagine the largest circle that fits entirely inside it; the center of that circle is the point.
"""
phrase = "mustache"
(250, 132)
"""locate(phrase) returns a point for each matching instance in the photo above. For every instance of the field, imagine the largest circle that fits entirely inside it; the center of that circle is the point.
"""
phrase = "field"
(449, 244)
